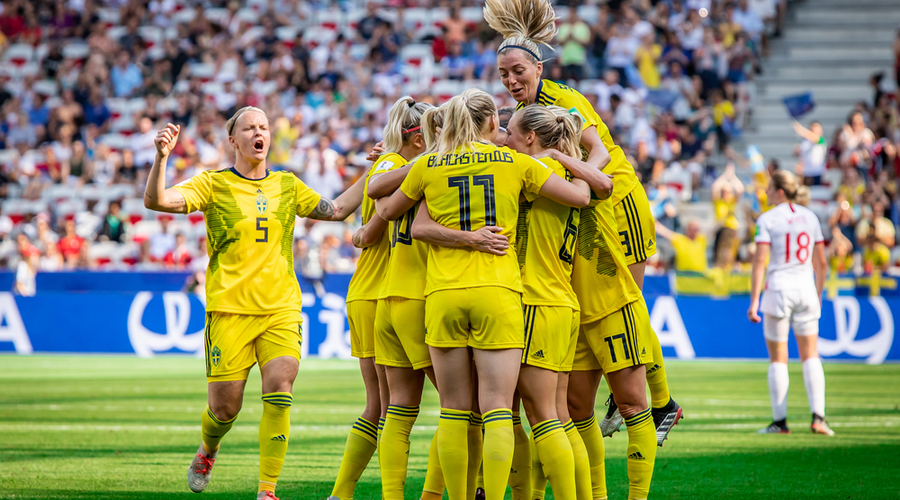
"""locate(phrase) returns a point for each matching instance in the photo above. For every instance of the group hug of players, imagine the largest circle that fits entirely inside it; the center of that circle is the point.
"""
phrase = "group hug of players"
(503, 259)
(501, 262)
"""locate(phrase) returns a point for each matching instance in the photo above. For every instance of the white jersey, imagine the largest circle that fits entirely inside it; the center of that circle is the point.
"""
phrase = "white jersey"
(791, 231)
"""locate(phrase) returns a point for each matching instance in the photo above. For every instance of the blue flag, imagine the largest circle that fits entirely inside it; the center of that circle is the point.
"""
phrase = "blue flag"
(799, 105)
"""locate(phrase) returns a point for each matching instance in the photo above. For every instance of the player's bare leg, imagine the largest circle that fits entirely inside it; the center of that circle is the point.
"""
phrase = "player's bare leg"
(814, 380)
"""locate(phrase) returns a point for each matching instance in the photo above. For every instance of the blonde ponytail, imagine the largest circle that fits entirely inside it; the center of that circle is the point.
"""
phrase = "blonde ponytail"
(464, 117)
(523, 23)
(553, 126)
(405, 118)
(787, 182)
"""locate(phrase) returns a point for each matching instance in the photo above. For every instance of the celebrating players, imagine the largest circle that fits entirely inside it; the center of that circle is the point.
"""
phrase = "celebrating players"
(473, 299)
(253, 297)
(790, 238)
(524, 24)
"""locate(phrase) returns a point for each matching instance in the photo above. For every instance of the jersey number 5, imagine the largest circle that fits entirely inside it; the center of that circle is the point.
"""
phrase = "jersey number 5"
(802, 247)
(461, 182)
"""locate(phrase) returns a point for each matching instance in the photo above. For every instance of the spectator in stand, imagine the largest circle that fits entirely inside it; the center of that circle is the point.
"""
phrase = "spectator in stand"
(574, 35)
(126, 77)
(812, 153)
(113, 226)
(70, 245)
(163, 242)
(690, 247)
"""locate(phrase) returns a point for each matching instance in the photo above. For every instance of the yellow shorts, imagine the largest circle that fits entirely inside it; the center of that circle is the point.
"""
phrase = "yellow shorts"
(486, 317)
(622, 339)
(361, 316)
(551, 334)
(236, 342)
(400, 333)
(637, 228)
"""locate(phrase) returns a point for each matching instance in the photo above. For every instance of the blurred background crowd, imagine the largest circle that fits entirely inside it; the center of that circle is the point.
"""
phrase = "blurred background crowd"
(85, 85)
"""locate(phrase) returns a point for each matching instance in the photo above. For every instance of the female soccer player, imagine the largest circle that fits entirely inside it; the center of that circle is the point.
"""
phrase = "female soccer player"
(473, 299)
(403, 140)
(253, 298)
(524, 24)
(793, 297)
(547, 232)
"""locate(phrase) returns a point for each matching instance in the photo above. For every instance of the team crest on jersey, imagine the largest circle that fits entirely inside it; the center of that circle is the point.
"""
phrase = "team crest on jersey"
(262, 203)
(215, 356)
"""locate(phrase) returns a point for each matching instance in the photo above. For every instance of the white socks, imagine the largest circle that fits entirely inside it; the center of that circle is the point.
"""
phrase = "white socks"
(814, 378)
(779, 381)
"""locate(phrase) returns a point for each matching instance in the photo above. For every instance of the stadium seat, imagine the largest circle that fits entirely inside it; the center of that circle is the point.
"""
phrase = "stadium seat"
(18, 54)
(416, 53)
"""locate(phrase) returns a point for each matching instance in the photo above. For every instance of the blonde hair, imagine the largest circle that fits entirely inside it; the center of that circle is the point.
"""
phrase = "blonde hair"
(523, 23)
(787, 182)
(464, 117)
(432, 123)
(405, 118)
(552, 126)
(803, 196)
(229, 125)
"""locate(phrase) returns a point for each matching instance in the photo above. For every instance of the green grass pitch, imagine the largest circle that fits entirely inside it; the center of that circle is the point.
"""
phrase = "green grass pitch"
(126, 428)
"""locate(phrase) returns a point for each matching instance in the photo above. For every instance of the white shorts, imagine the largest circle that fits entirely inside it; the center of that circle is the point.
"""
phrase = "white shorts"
(783, 309)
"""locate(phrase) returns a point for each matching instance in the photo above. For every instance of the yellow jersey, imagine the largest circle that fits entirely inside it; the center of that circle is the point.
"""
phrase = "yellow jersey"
(690, 254)
(545, 246)
(250, 238)
(468, 190)
(601, 278)
(372, 266)
(554, 94)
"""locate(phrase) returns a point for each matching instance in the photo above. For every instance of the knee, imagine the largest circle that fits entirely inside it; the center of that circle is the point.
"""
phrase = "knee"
(225, 409)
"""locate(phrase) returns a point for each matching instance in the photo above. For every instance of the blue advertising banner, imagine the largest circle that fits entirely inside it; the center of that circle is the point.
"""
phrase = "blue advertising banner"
(156, 323)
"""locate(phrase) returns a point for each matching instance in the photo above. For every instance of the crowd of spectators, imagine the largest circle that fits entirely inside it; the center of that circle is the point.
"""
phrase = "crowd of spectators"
(85, 84)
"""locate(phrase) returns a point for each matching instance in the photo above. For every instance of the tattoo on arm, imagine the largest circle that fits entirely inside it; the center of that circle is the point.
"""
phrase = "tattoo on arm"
(323, 211)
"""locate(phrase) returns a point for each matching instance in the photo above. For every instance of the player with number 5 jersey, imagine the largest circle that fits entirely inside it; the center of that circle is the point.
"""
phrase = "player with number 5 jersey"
(790, 237)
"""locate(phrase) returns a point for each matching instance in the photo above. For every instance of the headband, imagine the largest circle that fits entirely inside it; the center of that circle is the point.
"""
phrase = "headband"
(526, 49)
(411, 130)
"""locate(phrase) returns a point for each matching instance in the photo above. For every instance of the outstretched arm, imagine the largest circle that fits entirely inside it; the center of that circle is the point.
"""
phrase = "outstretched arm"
(486, 239)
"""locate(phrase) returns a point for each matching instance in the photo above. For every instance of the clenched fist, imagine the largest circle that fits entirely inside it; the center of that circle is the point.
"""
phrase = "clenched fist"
(167, 138)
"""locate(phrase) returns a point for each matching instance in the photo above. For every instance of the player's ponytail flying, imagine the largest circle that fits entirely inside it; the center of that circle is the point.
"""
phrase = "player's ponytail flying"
(553, 127)
(523, 23)
(464, 119)
(404, 121)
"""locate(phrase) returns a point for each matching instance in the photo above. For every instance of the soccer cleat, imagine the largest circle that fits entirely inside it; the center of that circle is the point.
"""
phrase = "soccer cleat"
(820, 426)
(779, 427)
(200, 469)
(613, 419)
(266, 495)
(665, 419)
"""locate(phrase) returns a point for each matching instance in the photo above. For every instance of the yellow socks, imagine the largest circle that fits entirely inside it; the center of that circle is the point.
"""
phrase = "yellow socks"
(394, 449)
(434, 476)
(593, 442)
(453, 450)
(582, 462)
(656, 377)
(520, 472)
(212, 430)
(555, 453)
(274, 431)
(361, 445)
(538, 479)
(475, 436)
(499, 442)
(641, 454)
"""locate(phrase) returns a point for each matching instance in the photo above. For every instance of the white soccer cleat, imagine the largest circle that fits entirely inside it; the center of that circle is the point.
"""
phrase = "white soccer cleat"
(200, 469)
(613, 419)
